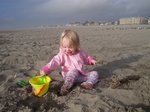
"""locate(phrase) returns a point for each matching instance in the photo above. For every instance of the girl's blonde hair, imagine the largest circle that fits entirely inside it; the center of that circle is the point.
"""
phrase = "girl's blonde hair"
(73, 37)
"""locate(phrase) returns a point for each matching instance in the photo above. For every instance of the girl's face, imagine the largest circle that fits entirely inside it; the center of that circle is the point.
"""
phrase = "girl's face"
(67, 47)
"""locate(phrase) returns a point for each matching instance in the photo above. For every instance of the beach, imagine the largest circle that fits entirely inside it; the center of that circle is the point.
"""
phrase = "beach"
(122, 53)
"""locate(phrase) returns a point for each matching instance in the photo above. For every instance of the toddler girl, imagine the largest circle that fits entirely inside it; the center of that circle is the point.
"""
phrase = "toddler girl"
(71, 59)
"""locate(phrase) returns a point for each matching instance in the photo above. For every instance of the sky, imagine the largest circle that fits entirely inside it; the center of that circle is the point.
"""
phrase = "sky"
(35, 13)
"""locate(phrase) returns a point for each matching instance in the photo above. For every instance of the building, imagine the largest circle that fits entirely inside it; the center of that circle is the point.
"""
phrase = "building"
(148, 21)
(133, 20)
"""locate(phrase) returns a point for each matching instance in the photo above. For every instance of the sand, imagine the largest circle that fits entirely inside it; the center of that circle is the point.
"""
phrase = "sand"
(123, 53)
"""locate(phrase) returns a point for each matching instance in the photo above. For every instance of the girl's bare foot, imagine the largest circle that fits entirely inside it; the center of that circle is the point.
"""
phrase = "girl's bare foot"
(87, 85)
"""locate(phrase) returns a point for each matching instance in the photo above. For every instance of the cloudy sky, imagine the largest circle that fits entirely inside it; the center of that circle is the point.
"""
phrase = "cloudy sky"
(33, 13)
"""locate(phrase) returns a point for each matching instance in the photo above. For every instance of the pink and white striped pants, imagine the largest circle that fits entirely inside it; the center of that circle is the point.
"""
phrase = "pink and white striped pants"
(75, 76)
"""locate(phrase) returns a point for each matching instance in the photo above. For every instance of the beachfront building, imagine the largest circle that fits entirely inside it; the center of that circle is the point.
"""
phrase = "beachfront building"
(133, 20)
(148, 21)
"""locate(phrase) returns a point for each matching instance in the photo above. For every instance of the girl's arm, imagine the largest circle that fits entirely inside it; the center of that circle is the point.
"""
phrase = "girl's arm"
(52, 65)
(88, 59)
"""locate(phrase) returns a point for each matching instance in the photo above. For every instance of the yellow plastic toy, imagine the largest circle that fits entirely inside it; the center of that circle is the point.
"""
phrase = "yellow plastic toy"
(40, 85)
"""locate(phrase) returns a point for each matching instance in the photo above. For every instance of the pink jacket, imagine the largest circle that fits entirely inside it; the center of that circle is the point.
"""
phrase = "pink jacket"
(68, 62)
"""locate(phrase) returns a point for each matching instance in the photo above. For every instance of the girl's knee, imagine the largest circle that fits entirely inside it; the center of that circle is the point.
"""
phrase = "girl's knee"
(93, 77)
(95, 74)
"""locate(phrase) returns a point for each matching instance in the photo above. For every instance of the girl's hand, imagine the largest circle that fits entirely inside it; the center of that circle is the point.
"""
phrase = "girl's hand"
(93, 62)
(42, 73)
